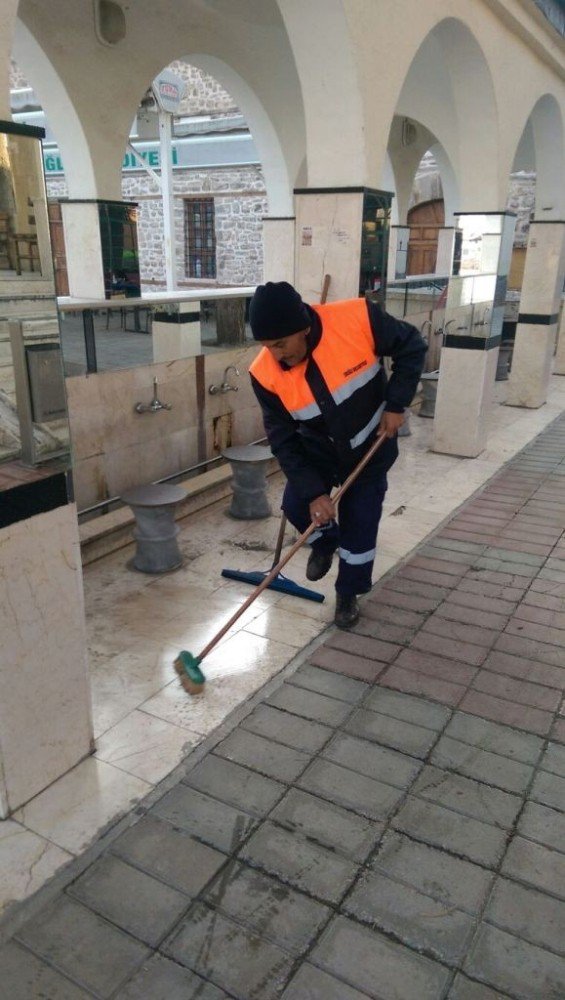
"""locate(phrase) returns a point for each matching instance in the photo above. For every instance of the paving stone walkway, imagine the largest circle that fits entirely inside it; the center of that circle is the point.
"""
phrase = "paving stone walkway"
(388, 823)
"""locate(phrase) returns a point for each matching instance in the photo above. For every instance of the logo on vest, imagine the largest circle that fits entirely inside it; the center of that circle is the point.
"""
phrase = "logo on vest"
(350, 371)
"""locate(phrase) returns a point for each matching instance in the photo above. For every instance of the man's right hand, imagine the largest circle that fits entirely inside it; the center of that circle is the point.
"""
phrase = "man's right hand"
(322, 510)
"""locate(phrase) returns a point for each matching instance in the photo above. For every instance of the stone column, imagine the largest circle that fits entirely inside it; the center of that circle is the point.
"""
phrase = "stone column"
(559, 368)
(83, 249)
(45, 715)
(176, 331)
(472, 331)
(534, 343)
(398, 251)
(278, 249)
(445, 238)
(342, 232)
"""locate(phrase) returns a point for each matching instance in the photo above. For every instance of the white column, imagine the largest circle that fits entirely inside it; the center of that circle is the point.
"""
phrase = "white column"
(278, 249)
(472, 331)
(536, 332)
(45, 715)
(445, 239)
(342, 232)
(398, 251)
(559, 368)
(83, 249)
(176, 334)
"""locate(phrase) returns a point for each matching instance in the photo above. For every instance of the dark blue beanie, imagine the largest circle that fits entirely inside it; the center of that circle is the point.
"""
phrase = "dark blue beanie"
(277, 310)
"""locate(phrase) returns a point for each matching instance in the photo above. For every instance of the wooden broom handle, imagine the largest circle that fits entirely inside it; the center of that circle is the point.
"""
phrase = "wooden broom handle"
(294, 548)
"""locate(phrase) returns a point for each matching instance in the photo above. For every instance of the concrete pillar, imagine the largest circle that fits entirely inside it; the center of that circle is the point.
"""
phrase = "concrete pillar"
(473, 327)
(534, 343)
(398, 251)
(278, 249)
(45, 715)
(176, 331)
(559, 368)
(342, 232)
(445, 238)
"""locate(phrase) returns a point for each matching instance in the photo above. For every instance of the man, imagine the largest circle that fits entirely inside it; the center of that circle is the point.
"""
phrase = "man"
(324, 397)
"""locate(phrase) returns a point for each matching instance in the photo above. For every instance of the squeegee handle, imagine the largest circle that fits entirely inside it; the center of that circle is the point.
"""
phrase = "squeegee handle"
(274, 572)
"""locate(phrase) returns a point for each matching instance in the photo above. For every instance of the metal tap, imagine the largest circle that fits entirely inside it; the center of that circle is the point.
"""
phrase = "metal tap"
(155, 405)
(427, 322)
(226, 385)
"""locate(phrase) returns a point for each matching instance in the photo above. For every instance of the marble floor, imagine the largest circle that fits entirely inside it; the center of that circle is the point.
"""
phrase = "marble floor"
(144, 722)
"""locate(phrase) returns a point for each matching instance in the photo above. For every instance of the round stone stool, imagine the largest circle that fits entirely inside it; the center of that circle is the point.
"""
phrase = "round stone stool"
(249, 464)
(155, 532)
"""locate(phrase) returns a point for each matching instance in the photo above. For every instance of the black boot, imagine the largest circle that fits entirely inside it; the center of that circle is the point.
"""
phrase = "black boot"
(346, 610)
(319, 563)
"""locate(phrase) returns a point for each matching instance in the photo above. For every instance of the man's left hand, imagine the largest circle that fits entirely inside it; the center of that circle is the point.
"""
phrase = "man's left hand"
(391, 423)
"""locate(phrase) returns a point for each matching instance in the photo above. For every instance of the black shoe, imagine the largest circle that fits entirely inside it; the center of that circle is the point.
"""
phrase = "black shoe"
(346, 610)
(319, 563)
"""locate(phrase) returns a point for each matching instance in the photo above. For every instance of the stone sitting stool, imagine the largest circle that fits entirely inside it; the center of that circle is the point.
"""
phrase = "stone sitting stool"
(155, 532)
(249, 465)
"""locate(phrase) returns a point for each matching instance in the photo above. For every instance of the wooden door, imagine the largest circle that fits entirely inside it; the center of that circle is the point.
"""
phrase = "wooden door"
(58, 248)
(424, 220)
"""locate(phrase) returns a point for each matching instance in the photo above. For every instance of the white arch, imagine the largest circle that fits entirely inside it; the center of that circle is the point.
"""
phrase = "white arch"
(60, 111)
(546, 122)
(278, 181)
(449, 90)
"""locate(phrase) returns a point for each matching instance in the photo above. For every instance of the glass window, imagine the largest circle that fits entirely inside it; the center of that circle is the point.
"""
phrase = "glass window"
(200, 238)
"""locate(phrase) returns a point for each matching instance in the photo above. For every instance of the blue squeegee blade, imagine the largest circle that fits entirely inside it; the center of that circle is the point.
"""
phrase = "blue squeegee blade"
(280, 583)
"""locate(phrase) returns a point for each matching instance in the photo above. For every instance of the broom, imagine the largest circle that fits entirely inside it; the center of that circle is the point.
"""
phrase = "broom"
(186, 664)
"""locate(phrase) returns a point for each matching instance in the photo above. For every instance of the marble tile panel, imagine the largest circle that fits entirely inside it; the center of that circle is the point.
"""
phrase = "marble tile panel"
(285, 626)
(75, 810)
(145, 746)
(26, 862)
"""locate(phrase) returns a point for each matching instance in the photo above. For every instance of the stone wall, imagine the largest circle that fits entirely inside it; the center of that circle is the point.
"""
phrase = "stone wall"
(204, 94)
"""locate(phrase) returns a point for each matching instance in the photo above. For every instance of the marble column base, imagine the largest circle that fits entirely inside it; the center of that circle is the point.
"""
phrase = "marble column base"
(559, 368)
(464, 401)
(531, 365)
(278, 249)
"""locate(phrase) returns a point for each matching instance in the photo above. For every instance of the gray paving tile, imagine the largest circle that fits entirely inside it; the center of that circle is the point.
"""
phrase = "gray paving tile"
(483, 765)
(452, 881)
(161, 979)
(466, 989)
(494, 737)
(328, 683)
(451, 831)
(310, 705)
(205, 818)
(408, 709)
(236, 785)
(500, 565)
(529, 914)
(536, 865)
(544, 825)
(420, 921)
(374, 761)
(381, 968)
(553, 759)
(136, 902)
(326, 824)
(265, 756)
(549, 790)
(300, 863)
(310, 983)
(464, 795)
(25, 977)
(513, 965)
(282, 727)
(84, 947)
(172, 855)
(403, 736)
(268, 907)
(366, 796)
(229, 955)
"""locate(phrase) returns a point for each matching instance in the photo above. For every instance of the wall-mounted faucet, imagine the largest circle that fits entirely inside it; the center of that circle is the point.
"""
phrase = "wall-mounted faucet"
(226, 385)
(485, 319)
(428, 323)
(155, 405)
